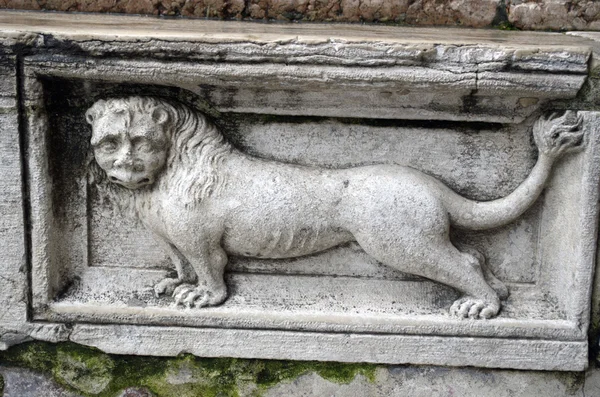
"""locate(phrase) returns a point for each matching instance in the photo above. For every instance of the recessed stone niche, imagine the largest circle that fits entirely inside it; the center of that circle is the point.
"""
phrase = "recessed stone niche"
(485, 113)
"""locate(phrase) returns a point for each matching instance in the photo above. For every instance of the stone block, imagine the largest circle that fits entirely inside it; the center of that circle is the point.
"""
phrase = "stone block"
(339, 194)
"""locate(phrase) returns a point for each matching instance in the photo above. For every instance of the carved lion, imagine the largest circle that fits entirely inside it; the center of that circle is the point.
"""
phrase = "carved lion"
(203, 199)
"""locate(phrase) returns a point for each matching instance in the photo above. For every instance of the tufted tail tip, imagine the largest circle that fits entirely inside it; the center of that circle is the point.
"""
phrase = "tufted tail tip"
(555, 135)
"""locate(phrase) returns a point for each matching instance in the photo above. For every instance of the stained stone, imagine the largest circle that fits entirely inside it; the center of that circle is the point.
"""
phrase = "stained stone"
(136, 392)
(19, 382)
(347, 193)
(554, 14)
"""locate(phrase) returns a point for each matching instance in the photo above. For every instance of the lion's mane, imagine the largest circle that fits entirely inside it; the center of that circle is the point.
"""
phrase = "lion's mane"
(196, 150)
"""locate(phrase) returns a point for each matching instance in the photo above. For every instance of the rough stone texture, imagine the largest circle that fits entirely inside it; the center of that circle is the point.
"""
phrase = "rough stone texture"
(456, 12)
(12, 237)
(388, 382)
(554, 14)
(420, 12)
(91, 376)
(271, 139)
(136, 392)
(472, 13)
(20, 382)
(435, 381)
(249, 78)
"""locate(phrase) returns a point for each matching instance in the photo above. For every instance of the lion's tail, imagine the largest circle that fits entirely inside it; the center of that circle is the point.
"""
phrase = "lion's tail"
(480, 215)
(553, 137)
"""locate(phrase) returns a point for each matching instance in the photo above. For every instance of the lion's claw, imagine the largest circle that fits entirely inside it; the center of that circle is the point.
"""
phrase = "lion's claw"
(189, 295)
(474, 308)
(166, 286)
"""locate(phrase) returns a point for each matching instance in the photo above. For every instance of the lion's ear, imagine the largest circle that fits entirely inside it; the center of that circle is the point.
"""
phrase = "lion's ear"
(160, 115)
(92, 113)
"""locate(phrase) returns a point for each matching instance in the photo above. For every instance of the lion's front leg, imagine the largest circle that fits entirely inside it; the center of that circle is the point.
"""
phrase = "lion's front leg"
(210, 288)
(185, 272)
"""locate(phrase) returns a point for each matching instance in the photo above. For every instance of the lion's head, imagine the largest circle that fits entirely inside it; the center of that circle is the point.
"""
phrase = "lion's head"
(141, 142)
(130, 139)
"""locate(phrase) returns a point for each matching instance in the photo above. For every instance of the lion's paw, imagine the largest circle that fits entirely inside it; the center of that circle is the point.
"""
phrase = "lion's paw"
(166, 286)
(189, 295)
(474, 308)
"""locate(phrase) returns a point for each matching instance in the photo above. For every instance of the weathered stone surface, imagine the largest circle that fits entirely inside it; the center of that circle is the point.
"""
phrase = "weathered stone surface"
(457, 12)
(554, 14)
(13, 274)
(472, 13)
(432, 381)
(465, 110)
(155, 119)
(20, 382)
(386, 382)
(421, 12)
(210, 9)
(136, 392)
(472, 67)
(591, 386)
(285, 141)
(88, 373)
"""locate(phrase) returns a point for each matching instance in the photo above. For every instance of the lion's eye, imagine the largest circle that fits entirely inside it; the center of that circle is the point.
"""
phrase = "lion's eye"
(108, 146)
(142, 145)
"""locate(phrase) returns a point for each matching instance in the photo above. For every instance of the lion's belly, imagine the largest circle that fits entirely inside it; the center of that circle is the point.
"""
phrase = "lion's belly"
(284, 242)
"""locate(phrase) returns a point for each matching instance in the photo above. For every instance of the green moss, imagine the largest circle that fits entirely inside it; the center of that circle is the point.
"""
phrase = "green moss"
(91, 372)
(1, 386)
(594, 73)
(83, 369)
(37, 356)
(274, 372)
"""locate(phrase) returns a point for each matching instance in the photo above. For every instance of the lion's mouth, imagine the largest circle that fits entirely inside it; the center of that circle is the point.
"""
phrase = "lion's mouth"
(131, 182)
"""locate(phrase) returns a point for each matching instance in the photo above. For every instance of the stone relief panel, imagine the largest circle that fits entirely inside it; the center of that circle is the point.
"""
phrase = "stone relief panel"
(274, 228)
(203, 200)
(417, 204)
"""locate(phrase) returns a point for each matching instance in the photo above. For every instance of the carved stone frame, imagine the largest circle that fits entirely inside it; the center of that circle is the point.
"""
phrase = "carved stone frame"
(552, 344)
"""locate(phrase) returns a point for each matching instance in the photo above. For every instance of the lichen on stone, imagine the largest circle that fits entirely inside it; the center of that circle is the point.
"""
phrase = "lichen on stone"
(90, 372)
(83, 369)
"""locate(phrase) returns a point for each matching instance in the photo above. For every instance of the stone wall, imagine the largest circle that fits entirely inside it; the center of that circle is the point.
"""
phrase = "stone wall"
(64, 369)
(555, 15)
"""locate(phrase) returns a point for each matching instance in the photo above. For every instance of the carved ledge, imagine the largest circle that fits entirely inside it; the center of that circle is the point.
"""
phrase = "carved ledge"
(332, 70)
(320, 137)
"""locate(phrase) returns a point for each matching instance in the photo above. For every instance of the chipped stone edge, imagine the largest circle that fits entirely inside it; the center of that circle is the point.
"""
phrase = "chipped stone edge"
(341, 347)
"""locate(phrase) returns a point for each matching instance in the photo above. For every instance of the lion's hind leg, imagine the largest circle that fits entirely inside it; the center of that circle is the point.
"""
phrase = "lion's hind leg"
(489, 276)
(480, 299)
(437, 259)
